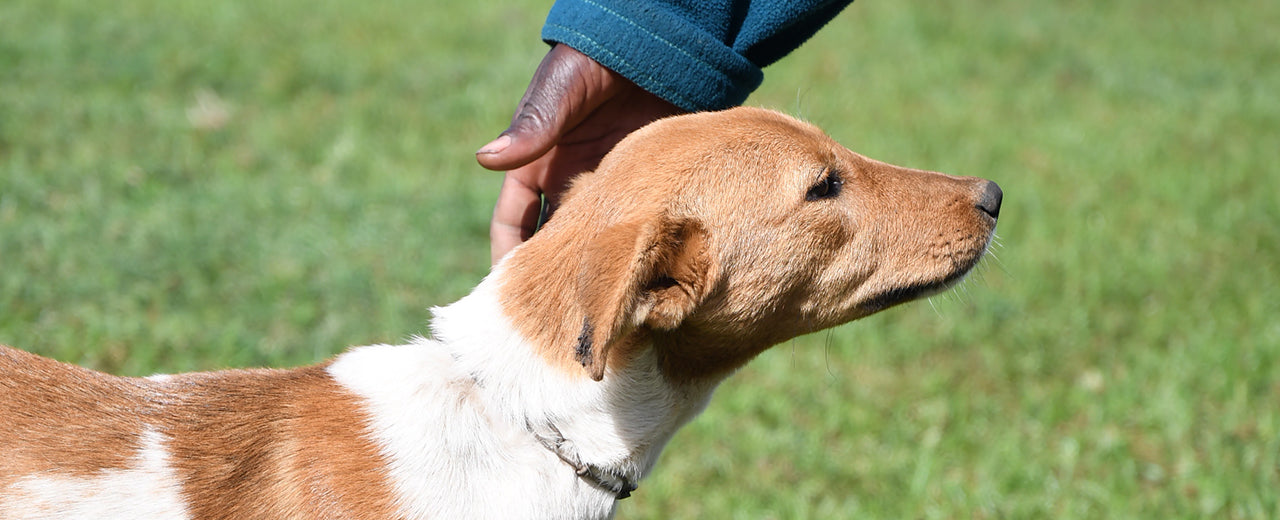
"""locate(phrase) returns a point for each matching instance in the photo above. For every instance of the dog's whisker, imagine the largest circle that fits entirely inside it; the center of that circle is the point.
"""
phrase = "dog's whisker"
(827, 355)
(933, 305)
(993, 259)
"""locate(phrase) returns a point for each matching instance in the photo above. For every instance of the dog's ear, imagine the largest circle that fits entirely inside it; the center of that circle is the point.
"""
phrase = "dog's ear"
(639, 273)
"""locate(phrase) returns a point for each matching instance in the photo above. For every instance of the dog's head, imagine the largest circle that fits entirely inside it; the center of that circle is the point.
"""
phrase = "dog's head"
(710, 237)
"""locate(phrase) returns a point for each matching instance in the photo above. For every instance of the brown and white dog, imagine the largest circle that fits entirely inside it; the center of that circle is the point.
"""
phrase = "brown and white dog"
(547, 392)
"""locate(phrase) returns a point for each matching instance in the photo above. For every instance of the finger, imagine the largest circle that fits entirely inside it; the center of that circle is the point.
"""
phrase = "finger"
(538, 121)
(566, 87)
(529, 137)
(515, 216)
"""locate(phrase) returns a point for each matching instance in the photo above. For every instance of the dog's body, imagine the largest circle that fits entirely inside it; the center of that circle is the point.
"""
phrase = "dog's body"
(549, 390)
(443, 428)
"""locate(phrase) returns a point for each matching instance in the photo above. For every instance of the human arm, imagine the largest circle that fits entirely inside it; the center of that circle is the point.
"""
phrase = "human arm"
(698, 55)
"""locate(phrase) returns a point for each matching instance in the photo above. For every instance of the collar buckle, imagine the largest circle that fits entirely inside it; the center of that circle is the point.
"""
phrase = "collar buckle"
(618, 484)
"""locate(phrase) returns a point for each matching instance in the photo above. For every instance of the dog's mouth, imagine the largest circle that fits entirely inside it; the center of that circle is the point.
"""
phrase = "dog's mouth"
(901, 295)
(923, 289)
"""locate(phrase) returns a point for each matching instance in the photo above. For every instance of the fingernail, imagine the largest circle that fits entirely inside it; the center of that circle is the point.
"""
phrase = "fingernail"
(496, 145)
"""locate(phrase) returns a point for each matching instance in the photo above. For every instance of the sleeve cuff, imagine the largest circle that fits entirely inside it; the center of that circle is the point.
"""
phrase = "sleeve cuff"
(657, 50)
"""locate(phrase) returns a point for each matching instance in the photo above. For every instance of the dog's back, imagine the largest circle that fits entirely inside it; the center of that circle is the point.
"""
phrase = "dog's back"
(50, 407)
(233, 444)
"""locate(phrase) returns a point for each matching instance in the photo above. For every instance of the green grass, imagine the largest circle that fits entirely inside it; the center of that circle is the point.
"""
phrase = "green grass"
(197, 185)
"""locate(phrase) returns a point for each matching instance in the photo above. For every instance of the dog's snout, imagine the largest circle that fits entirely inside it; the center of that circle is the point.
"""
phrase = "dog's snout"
(989, 201)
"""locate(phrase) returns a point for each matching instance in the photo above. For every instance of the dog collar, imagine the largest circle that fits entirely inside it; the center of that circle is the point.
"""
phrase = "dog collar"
(618, 484)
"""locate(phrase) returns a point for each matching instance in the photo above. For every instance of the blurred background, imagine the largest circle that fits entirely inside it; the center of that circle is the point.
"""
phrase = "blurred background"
(198, 185)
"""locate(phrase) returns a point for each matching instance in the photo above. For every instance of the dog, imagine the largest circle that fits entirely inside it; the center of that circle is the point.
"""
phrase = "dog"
(549, 391)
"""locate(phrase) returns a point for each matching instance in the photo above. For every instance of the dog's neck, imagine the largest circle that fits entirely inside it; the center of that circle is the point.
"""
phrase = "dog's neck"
(481, 394)
(619, 423)
(476, 394)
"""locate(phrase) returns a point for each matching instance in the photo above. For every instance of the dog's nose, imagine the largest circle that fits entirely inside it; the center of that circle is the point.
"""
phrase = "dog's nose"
(989, 202)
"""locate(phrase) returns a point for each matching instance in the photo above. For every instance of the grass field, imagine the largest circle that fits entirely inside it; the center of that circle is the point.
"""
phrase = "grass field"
(197, 185)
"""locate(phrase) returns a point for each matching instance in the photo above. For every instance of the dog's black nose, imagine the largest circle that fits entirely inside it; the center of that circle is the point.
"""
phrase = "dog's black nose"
(989, 202)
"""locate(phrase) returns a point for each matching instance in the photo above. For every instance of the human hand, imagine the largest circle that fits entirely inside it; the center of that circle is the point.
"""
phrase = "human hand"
(574, 111)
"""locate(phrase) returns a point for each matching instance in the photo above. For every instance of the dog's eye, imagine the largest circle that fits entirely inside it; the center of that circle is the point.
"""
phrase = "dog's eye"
(827, 187)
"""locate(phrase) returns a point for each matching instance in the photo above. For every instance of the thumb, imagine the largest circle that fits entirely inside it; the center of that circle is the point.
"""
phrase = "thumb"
(566, 87)
(535, 128)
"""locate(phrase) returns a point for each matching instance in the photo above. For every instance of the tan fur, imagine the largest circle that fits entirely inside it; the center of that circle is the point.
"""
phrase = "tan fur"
(695, 234)
(97, 424)
(245, 443)
(311, 462)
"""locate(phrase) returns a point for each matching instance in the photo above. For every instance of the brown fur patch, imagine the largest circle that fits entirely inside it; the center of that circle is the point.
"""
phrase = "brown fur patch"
(645, 272)
(65, 419)
(696, 235)
(275, 444)
(244, 443)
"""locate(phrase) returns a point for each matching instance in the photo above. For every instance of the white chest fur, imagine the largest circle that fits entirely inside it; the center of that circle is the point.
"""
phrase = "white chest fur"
(455, 415)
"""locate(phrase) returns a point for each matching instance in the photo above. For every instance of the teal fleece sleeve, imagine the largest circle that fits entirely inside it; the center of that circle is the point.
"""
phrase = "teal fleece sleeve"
(698, 55)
